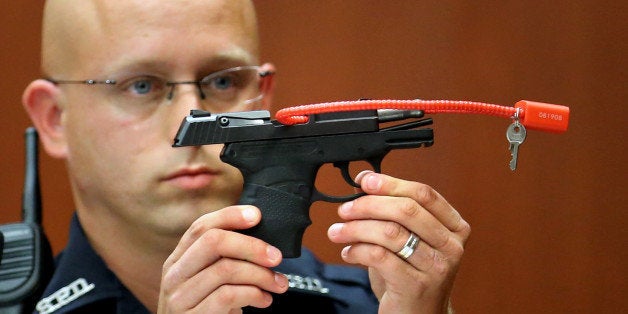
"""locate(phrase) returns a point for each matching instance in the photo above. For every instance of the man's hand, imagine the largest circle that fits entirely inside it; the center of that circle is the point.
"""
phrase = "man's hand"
(215, 270)
(378, 226)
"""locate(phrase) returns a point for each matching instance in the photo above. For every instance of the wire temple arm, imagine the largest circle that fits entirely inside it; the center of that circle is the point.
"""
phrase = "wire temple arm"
(88, 82)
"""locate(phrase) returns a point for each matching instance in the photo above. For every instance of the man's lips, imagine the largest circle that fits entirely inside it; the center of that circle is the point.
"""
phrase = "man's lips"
(191, 178)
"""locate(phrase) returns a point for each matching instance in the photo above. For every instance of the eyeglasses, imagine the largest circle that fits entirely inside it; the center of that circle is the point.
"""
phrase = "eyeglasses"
(224, 89)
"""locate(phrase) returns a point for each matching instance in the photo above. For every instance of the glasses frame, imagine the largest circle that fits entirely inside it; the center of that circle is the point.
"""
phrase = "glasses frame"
(172, 84)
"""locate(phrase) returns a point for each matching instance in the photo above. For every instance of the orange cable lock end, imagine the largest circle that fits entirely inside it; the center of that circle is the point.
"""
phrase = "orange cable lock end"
(544, 117)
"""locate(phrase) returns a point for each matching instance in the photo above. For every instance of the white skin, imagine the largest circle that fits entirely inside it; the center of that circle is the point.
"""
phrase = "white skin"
(169, 238)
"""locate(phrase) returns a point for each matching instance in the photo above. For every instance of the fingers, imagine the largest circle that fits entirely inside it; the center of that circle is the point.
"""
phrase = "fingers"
(215, 268)
(378, 225)
(230, 218)
(229, 284)
(215, 244)
(395, 214)
(428, 198)
(395, 237)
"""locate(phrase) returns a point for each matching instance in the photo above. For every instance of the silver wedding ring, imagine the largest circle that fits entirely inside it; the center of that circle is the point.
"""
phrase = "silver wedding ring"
(409, 247)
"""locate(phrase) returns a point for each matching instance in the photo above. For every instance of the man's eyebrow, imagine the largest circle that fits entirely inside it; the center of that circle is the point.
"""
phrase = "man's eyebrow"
(135, 66)
(229, 59)
(164, 67)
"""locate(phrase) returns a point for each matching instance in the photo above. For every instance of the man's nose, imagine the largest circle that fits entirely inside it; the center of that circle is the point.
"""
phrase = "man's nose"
(183, 98)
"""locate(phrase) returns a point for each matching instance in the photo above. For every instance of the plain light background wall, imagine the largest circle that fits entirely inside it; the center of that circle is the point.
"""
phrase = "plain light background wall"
(547, 238)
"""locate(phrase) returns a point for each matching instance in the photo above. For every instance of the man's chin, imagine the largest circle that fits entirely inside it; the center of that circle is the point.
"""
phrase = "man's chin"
(179, 216)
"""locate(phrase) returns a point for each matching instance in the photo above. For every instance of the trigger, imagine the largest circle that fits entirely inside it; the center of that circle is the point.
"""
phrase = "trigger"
(376, 163)
(344, 170)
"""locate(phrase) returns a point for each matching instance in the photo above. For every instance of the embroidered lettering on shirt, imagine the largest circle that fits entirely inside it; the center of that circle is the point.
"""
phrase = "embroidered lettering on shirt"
(306, 283)
(64, 296)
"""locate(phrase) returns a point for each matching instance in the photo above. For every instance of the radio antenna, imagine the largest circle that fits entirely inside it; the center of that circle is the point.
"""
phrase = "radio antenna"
(31, 195)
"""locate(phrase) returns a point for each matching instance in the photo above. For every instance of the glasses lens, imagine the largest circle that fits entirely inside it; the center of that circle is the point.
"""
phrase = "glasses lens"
(232, 86)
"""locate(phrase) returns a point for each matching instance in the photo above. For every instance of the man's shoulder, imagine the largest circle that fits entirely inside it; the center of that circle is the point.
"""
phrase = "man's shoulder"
(82, 282)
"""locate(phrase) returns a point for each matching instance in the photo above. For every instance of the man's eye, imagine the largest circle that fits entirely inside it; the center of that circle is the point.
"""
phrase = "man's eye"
(142, 87)
(222, 83)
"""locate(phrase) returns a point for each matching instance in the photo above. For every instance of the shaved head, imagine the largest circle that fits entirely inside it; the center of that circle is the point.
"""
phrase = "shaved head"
(75, 32)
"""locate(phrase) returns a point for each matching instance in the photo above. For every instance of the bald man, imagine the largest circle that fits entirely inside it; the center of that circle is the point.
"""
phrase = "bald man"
(154, 229)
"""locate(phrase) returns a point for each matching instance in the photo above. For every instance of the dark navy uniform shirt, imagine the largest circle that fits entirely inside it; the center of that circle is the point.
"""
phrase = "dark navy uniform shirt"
(82, 283)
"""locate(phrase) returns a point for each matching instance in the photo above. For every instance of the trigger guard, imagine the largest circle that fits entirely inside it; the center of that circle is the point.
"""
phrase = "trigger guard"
(344, 170)
(318, 196)
(375, 162)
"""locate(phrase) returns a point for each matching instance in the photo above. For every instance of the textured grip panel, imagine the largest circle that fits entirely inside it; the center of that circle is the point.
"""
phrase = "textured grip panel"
(285, 217)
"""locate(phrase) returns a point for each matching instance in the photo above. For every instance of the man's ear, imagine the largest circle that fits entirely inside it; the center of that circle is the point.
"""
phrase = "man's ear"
(41, 101)
(267, 85)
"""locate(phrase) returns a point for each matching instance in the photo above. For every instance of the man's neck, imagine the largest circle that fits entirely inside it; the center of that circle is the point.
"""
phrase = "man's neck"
(133, 256)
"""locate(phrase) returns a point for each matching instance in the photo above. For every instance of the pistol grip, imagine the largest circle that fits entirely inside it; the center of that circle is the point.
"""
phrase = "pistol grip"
(285, 216)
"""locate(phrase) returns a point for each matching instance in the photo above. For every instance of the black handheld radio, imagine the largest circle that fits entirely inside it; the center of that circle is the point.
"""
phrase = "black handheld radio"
(26, 262)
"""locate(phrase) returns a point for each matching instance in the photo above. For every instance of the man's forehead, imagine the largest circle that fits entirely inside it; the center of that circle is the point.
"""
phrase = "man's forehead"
(174, 12)
(92, 27)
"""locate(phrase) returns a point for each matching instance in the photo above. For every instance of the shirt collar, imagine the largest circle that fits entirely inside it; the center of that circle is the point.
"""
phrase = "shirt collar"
(81, 278)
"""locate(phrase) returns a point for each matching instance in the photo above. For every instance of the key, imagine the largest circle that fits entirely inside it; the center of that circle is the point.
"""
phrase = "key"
(515, 134)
